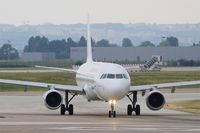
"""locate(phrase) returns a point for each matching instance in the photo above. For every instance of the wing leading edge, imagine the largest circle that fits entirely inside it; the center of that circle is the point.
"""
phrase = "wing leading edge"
(56, 68)
(70, 88)
(162, 85)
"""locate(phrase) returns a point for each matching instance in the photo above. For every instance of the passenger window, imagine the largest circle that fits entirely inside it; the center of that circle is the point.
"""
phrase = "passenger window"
(110, 76)
(125, 76)
(119, 76)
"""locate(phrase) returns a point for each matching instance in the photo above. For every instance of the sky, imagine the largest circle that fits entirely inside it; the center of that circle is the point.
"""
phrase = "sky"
(34, 12)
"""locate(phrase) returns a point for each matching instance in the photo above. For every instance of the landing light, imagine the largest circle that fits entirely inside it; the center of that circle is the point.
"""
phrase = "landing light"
(112, 102)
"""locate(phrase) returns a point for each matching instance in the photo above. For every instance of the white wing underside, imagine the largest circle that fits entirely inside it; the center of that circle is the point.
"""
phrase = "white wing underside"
(162, 85)
(70, 88)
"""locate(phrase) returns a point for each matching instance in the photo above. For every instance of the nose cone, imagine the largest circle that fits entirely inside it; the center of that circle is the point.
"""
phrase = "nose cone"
(114, 89)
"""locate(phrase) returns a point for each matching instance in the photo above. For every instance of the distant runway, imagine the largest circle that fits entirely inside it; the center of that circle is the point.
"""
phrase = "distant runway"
(33, 70)
(25, 113)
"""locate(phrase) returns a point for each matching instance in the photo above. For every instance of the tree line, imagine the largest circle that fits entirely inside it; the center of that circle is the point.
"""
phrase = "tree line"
(7, 52)
(61, 48)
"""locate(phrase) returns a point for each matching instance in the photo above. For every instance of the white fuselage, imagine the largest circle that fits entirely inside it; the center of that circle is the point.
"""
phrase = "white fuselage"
(103, 81)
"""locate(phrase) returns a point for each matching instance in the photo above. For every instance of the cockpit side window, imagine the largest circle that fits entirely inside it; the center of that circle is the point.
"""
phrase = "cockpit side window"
(102, 76)
(125, 76)
(119, 76)
(110, 76)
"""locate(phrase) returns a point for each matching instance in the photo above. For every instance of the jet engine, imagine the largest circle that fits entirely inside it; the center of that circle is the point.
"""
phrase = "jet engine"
(155, 100)
(53, 99)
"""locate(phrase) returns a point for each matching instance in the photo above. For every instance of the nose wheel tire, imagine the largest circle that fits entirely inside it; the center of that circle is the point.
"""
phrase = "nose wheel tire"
(112, 114)
(109, 114)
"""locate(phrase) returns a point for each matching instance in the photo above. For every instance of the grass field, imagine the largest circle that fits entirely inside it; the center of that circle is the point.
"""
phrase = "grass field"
(69, 78)
(192, 106)
(25, 64)
(163, 77)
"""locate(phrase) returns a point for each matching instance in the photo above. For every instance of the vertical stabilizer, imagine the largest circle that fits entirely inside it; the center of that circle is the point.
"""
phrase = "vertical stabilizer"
(89, 47)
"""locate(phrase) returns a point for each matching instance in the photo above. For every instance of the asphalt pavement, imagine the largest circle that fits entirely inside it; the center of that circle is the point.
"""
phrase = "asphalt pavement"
(26, 113)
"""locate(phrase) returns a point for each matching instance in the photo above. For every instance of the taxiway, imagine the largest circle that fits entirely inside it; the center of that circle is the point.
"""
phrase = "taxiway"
(25, 113)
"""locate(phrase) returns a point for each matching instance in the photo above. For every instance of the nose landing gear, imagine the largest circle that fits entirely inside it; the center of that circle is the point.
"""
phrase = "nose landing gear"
(133, 107)
(112, 112)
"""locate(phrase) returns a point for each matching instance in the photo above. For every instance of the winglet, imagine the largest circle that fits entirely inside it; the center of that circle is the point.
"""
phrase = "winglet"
(89, 47)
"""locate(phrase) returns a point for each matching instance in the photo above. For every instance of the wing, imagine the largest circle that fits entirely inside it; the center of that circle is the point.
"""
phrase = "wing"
(162, 86)
(70, 88)
(56, 68)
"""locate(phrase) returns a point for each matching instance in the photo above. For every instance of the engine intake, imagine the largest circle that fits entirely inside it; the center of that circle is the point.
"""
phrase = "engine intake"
(155, 100)
(53, 99)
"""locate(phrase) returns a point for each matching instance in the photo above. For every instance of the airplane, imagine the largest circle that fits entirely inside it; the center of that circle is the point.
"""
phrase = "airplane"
(100, 81)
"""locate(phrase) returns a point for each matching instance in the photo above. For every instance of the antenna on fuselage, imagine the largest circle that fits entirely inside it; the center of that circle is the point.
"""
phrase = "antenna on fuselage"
(89, 47)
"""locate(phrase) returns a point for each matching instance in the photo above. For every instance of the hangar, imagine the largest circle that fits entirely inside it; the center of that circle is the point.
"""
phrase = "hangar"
(136, 53)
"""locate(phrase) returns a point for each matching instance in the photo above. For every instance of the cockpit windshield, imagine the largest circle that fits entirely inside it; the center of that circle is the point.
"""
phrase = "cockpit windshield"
(114, 76)
(111, 76)
(119, 76)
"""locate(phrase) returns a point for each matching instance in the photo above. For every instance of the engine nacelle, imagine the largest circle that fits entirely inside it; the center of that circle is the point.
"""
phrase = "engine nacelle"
(53, 99)
(155, 100)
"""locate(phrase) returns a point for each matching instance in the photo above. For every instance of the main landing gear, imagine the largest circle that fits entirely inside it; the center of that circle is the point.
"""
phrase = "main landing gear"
(67, 107)
(112, 112)
(133, 107)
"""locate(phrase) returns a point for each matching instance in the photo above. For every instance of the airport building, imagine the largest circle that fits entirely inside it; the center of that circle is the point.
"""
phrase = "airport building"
(136, 53)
